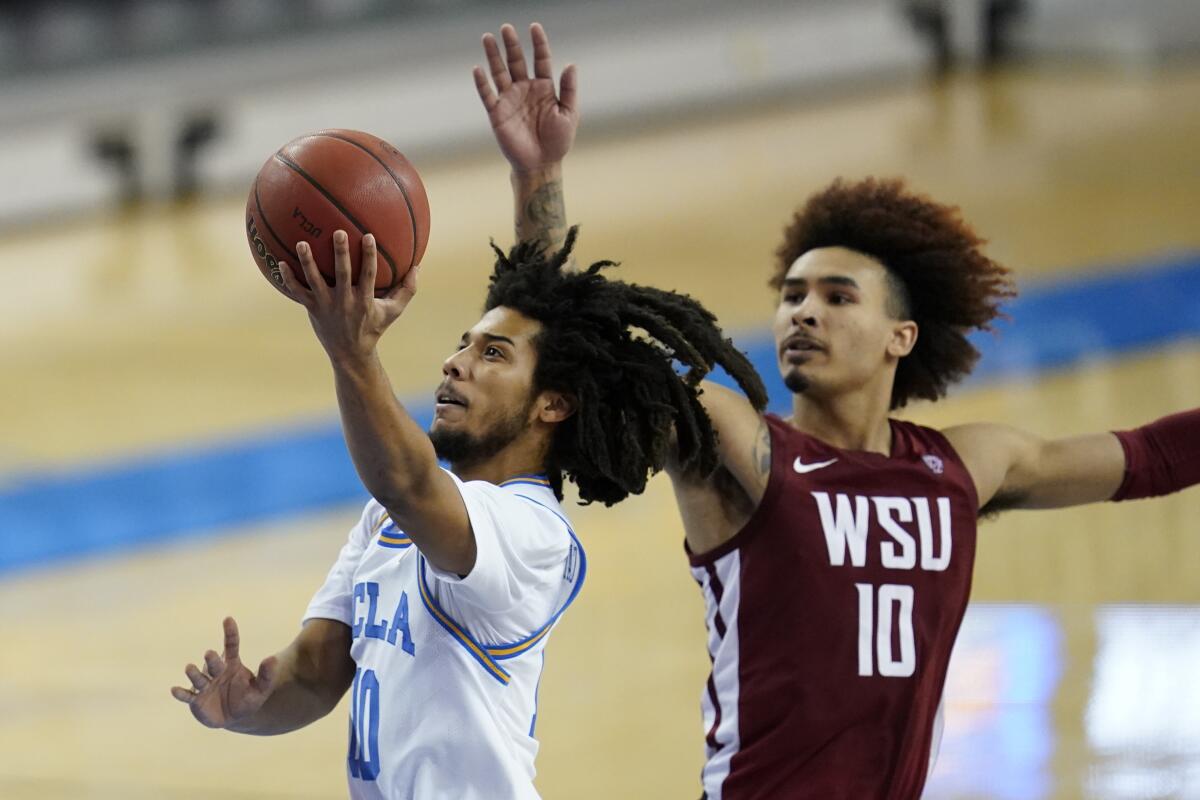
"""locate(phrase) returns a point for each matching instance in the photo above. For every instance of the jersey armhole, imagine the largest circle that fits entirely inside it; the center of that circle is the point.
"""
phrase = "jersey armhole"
(765, 506)
(968, 478)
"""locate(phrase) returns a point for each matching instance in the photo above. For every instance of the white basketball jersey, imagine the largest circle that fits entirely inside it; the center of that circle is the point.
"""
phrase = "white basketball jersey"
(444, 699)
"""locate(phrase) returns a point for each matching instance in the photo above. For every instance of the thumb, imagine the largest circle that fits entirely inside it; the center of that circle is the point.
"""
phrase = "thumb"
(410, 280)
(268, 671)
(400, 294)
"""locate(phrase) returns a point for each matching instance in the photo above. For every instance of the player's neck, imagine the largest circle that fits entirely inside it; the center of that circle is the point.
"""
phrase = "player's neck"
(517, 459)
(857, 421)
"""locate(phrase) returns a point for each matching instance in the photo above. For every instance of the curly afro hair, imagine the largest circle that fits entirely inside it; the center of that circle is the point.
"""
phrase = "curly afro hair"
(940, 277)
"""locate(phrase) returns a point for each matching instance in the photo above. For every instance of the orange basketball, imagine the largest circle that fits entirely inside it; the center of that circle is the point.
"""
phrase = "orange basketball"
(337, 180)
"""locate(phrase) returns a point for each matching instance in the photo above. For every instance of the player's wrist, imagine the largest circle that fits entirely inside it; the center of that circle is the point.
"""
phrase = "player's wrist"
(360, 363)
(536, 174)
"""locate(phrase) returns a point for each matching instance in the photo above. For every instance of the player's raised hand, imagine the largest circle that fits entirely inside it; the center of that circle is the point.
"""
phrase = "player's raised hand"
(533, 124)
(226, 691)
(347, 317)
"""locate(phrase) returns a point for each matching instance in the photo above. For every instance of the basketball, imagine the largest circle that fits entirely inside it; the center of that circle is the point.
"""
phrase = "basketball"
(337, 180)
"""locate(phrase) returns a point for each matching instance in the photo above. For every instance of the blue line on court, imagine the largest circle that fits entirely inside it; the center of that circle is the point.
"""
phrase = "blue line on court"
(50, 517)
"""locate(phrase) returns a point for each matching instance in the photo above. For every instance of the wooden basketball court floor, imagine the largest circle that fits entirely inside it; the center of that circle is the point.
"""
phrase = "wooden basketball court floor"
(149, 332)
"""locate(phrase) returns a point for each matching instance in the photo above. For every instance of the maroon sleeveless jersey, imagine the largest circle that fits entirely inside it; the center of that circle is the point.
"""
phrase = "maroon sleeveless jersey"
(831, 616)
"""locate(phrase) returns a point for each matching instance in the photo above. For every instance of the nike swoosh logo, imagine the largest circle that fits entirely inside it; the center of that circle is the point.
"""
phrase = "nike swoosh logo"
(802, 468)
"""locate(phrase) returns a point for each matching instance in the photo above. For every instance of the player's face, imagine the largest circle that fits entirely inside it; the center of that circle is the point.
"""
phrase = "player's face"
(486, 398)
(834, 330)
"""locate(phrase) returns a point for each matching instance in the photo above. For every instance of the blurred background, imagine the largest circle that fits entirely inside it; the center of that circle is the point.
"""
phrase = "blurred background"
(169, 447)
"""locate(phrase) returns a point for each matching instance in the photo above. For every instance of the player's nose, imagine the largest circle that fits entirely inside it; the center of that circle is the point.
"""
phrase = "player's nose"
(806, 314)
(457, 366)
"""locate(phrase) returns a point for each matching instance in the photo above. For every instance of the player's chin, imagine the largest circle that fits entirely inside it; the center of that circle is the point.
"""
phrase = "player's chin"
(795, 379)
(443, 425)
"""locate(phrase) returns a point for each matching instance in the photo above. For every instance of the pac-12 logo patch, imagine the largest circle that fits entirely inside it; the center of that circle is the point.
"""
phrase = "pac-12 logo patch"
(934, 463)
(572, 563)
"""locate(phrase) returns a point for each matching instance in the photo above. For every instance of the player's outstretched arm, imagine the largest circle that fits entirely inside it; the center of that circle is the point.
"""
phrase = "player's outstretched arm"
(393, 456)
(1016, 469)
(743, 441)
(534, 127)
(297, 686)
(715, 507)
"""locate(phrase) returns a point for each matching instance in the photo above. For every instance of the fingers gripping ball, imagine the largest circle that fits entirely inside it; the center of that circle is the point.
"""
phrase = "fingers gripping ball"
(337, 180)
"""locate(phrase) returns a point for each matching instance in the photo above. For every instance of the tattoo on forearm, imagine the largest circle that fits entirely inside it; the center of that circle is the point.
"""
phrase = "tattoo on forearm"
(762, 449)
(544, 216)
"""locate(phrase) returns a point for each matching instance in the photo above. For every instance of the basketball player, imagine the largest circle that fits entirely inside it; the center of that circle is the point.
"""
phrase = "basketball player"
(437, 611)
(834, 547)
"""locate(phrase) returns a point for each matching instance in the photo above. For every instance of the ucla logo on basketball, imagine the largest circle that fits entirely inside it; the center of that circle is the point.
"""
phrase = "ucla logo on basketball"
(305, 225)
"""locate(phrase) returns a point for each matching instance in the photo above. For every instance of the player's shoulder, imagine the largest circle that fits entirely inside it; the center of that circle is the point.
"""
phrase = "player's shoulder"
(918, 439)
(981, 439)
(374, 517)
(988, 446)
(783, 433)
(949, 453)
(535, 495)
(981, 430)
(914, 442)
(525, 502)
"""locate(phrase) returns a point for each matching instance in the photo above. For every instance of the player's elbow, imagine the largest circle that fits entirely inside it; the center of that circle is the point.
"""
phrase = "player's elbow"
(320, 662)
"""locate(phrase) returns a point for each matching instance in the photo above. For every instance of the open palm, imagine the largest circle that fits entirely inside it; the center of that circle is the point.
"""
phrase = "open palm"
(534, 125)
(226, 691)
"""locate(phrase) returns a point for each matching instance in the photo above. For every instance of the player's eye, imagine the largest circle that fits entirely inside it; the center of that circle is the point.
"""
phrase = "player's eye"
(793, 297)
(491, 351)
(839, 298)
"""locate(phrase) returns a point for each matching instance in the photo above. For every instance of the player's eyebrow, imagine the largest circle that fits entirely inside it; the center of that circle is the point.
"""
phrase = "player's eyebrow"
(490, 337)
(837, 280)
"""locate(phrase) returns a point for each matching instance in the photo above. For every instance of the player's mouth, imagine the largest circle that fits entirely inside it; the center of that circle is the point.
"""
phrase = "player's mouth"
(799, 347)
(447, 400)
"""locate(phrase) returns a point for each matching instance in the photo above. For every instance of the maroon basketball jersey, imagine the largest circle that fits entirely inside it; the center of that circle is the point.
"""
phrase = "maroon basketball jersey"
(831, 616)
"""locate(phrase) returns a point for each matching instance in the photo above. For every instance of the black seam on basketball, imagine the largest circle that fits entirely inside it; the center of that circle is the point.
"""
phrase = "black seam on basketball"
(408, 201)
(345, 212)
(267, 224)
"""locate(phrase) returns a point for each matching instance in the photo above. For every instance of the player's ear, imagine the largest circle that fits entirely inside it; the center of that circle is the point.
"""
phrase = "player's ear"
(903, 339)
(555, 406)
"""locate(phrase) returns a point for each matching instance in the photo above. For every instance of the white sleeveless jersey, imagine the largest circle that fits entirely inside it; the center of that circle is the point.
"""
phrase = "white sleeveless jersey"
(444, 699)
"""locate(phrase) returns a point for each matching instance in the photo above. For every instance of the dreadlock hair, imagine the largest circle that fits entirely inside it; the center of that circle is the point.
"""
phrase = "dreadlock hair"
(612, 346)
(938, 276)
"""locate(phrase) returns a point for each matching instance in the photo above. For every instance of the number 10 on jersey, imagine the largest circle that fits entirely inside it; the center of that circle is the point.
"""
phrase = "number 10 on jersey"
(878, 613)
